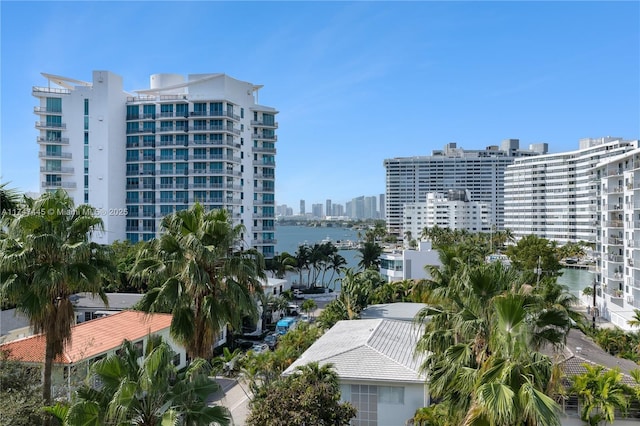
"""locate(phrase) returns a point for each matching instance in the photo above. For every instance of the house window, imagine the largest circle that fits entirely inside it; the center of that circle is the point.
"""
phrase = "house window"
(138, 346)
(390, 395)
(176, 359)
(365, 399)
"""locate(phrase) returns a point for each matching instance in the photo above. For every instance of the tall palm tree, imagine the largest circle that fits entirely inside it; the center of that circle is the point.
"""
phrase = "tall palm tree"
(302, 257)
(46, 257)
(336, 263)
(204, 280)
(148, 394)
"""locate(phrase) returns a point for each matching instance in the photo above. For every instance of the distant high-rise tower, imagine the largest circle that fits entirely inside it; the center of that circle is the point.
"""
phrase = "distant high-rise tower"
(137, 157)
(316, 210)
(410, 179)
(381, 213)
(302, 209)
(328, 209)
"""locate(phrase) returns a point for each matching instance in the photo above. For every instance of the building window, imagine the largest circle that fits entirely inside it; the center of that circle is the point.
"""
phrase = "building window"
(390, 395)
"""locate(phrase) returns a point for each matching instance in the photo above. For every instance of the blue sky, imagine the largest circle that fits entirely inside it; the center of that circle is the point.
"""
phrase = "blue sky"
(355, 82)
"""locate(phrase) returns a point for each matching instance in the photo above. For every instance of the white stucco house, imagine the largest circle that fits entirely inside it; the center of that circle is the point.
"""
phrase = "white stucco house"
(378, 369)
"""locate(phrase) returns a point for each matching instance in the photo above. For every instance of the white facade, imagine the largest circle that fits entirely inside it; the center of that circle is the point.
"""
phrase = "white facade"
(446, 211)
(400, 265)
(137, 158)
(553, 196)
(618, 237)
(81, 132)
(410, 179)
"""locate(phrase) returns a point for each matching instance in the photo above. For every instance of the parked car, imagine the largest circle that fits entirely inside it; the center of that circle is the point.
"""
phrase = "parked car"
(271, 340)
(259, 348)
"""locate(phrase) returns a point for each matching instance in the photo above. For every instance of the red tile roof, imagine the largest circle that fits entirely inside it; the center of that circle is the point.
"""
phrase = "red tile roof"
(91, 338)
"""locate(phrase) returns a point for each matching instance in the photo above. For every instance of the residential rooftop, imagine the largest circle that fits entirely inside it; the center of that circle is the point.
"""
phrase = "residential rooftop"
(91, 338)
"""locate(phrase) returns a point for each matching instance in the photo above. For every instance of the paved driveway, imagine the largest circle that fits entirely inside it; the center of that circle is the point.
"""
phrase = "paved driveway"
(234, 394)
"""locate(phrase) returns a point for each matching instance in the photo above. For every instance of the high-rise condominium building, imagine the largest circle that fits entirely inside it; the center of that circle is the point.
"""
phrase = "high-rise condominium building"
(617, 182)
(302, 208)
(453, 209)
(328, 208)
(139, 156)
(410, 179)
(553, 196)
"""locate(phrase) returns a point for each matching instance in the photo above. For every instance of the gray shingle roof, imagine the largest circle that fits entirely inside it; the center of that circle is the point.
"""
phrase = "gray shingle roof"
(368, 349)
(117, 301)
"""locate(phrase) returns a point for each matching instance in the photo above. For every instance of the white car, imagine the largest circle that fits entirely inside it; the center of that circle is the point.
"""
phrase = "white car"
(259, 348)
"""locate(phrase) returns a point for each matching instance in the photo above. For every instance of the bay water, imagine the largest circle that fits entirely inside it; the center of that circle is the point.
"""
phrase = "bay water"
(290, 237)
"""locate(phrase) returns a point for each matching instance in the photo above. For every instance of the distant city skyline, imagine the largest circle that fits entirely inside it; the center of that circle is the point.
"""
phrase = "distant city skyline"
(372, 207)
(354, 82)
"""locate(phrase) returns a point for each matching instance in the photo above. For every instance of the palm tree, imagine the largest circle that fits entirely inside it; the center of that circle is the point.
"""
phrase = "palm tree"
(204, 281)
(46, 257)
(635, 320)
(370, 256)
(9, 199)
(336, 264)
(601, 393)
(482, 338)
(280, 264)
(147, 394)
(302, 260)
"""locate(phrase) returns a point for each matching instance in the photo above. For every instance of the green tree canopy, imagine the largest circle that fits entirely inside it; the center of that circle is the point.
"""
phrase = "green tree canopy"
(311, 396)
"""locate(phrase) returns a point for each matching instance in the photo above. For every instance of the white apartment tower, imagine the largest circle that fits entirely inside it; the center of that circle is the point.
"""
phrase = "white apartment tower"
(139, 156)
(617, 276)
(410, 179)
(81, 133)
(553, 196)
(453, 209)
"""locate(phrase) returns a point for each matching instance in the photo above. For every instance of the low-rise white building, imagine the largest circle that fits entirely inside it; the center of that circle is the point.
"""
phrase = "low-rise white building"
(453, 209)
(398, 265)
(378, 371)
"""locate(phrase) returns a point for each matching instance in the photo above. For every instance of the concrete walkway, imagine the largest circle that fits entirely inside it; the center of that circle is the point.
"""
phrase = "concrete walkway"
(234, 394)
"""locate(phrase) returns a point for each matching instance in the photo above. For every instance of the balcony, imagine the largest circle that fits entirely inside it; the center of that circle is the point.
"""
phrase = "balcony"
(615, 258)
(53, 141)
(615, 241)
(45, 110)
(263, 150)
(260, 123)
(261, 136)
(66, 185)
(613, 224)
(43, 125)
(261, 163)
(264, 241)
(260, 228)
(66, 155)
(61, 170)
(45, 91)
